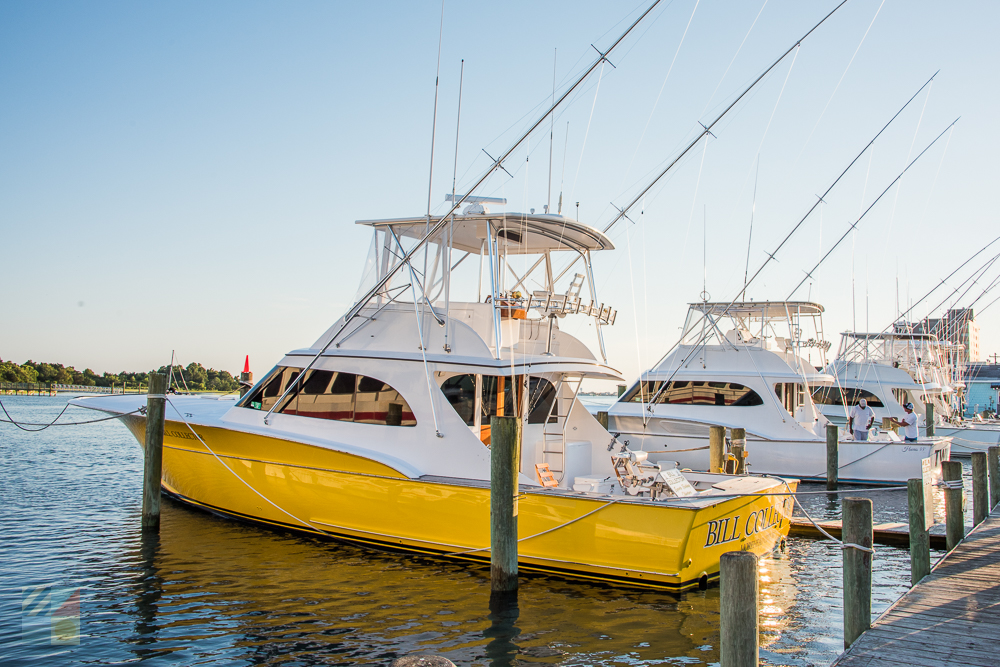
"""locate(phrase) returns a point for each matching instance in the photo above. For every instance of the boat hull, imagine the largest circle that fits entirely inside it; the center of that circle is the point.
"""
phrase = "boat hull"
(871, 462)
(292, 485)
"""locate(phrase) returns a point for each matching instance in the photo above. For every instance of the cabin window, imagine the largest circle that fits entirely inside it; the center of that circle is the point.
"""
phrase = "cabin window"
(684, 392)
(334, 396)
(900, 396)
(460, 390)
(844, 396)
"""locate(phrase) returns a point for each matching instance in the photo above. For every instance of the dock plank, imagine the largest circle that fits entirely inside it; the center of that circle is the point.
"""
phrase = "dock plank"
(952, 617)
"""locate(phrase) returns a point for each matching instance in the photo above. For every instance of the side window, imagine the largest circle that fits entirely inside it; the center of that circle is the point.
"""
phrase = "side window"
(683, 392)
(332, 395)
(267, 391)
(641, 392)
(847, 396)
(460, 390)
(378, 403)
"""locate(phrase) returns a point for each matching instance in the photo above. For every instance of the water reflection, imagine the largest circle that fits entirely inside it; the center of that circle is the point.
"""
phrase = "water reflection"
(210, 591)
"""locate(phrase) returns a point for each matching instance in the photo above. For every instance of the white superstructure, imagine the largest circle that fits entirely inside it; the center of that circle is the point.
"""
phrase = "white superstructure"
(754, 365)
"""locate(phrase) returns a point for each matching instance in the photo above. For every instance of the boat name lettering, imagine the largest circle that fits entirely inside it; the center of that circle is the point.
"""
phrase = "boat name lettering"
(718, 531)
(908, 448)
(762, 520)
(181, 434)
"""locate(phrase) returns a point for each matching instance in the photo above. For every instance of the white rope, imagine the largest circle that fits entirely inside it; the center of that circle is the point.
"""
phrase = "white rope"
(843, 545)
(529, 537)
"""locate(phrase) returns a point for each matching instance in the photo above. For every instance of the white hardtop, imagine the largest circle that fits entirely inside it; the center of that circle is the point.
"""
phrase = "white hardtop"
(519, 233)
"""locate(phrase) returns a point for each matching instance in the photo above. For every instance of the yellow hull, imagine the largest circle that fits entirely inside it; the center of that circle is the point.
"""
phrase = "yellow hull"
(302, 487)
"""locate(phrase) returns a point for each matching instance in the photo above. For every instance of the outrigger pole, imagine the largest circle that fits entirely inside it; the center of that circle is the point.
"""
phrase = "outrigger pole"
(855, 223)
(706, 130)
(771, 255)
(498, 164)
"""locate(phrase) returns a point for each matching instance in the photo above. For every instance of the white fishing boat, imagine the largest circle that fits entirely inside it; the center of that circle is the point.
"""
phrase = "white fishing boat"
(890, 369)
(754, 365)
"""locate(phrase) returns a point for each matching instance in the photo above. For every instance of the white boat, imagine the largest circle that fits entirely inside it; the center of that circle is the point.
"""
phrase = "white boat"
(889, 369)
(753, 365)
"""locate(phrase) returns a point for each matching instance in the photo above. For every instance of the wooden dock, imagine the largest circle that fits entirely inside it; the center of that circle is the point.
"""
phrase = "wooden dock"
(952, 617)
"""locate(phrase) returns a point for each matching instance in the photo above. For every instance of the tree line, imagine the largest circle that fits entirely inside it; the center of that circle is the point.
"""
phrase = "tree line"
(194, 376)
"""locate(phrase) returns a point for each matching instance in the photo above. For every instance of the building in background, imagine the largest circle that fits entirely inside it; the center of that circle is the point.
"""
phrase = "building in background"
(957, 327)
(982, 385)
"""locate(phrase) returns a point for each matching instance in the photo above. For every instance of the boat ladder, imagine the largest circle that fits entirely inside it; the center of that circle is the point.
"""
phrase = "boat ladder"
(554, 432)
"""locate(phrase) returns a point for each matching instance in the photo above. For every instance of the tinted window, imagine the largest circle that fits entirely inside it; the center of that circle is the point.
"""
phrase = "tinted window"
(332, 395)
(845, 396)
(694, 393)
(460, 391)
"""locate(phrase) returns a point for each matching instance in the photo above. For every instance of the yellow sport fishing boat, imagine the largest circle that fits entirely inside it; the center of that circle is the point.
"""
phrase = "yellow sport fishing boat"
(379, 433)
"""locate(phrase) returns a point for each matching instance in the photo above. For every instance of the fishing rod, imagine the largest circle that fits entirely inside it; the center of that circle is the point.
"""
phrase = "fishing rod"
(906, 313)
(855, 223)
(706, 130)
(442, 221)
(820, 199)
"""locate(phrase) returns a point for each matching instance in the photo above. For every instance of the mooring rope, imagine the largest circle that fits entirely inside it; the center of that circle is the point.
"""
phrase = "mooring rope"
(21, 425)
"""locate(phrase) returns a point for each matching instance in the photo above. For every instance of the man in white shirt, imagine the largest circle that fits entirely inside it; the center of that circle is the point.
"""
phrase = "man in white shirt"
(861, 419)
(909, 424)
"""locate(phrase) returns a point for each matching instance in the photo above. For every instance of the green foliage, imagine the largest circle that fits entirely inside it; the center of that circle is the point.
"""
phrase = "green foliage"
(195, 377)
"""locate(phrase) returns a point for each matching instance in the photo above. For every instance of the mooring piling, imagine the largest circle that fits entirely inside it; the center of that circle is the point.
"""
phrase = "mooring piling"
(920, 543)
(832, 456)
(857, 550)
(716, 448)
(738, 595)
(980, 488)
(951, 471)
(740, 449)
(505, 441)
(929, 418)
(993, 463)
(152, 470)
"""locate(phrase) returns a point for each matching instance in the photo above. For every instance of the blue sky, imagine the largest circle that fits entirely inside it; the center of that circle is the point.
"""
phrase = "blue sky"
(186, 175)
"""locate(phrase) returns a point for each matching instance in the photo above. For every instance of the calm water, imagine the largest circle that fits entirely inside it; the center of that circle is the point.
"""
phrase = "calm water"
(209, 591)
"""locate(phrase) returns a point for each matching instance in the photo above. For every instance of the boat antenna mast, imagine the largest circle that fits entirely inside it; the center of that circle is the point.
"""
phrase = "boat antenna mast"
(497, 164)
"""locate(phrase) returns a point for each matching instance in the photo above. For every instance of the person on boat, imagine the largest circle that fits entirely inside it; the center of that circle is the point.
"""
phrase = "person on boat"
(861, 419)
(909, 423)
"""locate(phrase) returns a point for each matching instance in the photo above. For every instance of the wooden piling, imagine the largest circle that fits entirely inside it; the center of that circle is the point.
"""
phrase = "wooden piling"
(920, 543)
(857, 568)
(716, 448)
(738, 596)
(980, 489)
(954, 517)
(929, 418)
(505, 460)
(602, 418)
(740, 449)
(152, 470)
(993, 463)
(832, 456)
